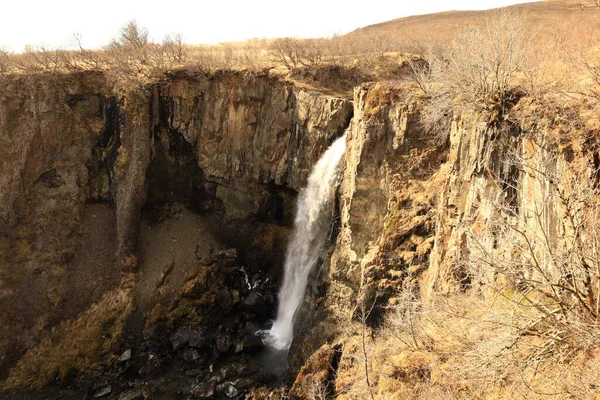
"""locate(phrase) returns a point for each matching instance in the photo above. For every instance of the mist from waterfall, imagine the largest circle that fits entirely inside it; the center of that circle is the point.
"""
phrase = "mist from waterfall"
(312, 225)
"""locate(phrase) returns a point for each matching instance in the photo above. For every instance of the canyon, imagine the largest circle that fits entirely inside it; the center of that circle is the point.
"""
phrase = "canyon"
(143, 231)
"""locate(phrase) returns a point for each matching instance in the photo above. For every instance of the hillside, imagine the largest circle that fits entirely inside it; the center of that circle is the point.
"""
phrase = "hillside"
(548, 18)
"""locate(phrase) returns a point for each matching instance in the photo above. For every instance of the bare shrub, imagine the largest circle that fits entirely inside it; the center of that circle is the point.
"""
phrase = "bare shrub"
(84, 58)
(477, 72)
(169, 53)
(557, 270)
(222, 56)
(5, 61)
(128, 54)
(312, 52)
(254, 54)
(132, 36)
(285, 52)
(174, 49)
(41, 58)
(470, 346)
(337, 50)
(428, 72)
(319, 391)
(292, 52)
(405, 321)
(582, 53)
(542, 282)
(133, 57)
(481, 63)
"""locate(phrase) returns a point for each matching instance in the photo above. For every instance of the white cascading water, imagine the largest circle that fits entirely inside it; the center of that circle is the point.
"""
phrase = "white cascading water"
(311, 227)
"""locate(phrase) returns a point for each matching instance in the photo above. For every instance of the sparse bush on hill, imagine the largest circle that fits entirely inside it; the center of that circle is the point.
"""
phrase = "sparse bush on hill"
(130, 56)
(5, 61)
(132, 53)
(482, 62)
(132, 36)
(40, 58)
(82, 57)
(587, 60)
(174, 48)
(292, 52)
(477, 72)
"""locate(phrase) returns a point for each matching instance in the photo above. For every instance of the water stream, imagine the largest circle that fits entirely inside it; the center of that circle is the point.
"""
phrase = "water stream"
(311, 228)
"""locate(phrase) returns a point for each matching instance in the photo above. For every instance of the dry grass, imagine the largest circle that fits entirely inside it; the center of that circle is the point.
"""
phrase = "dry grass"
(377, 52)
(75, 346)
(465, 347)
(545, 17)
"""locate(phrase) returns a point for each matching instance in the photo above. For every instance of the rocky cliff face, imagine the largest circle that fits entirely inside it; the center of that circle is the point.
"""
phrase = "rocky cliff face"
(387, 217)
(89, 179)
(493, 206)
(118, 214)
(513, 193)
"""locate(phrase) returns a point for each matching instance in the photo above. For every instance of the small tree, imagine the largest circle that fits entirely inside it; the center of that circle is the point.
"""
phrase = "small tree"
(5, 61)
(482, 62)
(285, 51)
(174, 49)
(83, 57)
(132, 36)
(129, 52)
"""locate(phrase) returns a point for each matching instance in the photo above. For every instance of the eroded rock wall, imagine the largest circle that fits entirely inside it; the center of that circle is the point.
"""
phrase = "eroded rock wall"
(517, 203)
(496, 205)
(48, 129)
(251, 129)
(387, 203)
(234, 146)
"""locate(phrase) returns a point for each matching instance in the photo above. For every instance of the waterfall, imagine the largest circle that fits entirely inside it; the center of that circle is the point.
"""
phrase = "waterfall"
(311, 227)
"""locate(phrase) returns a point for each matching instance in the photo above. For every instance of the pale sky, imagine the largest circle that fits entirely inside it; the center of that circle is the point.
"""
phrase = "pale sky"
(52, 22)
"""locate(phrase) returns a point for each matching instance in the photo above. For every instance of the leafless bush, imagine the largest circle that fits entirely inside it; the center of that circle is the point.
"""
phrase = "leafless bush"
(285, 51)
(82, 57)
(255, 54)
(5, 61)
(312, 52)
(319, 391)
(41, 58)
(405, 321)
(477, 72)
(592, 65)
(222, 56)
(292, 52)
(482, 63)
(338, 51)
(129, 53)
(582, 54)
(169, 53)
(554, 265)
(428, 72)
(132, 56)
(132, 36)
(538, 256)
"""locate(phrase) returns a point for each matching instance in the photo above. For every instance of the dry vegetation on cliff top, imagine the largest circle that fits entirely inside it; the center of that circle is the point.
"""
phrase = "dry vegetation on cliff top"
(333, 65)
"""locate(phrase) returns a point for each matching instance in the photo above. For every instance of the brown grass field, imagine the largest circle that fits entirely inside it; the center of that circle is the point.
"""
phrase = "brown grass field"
(548, 18)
